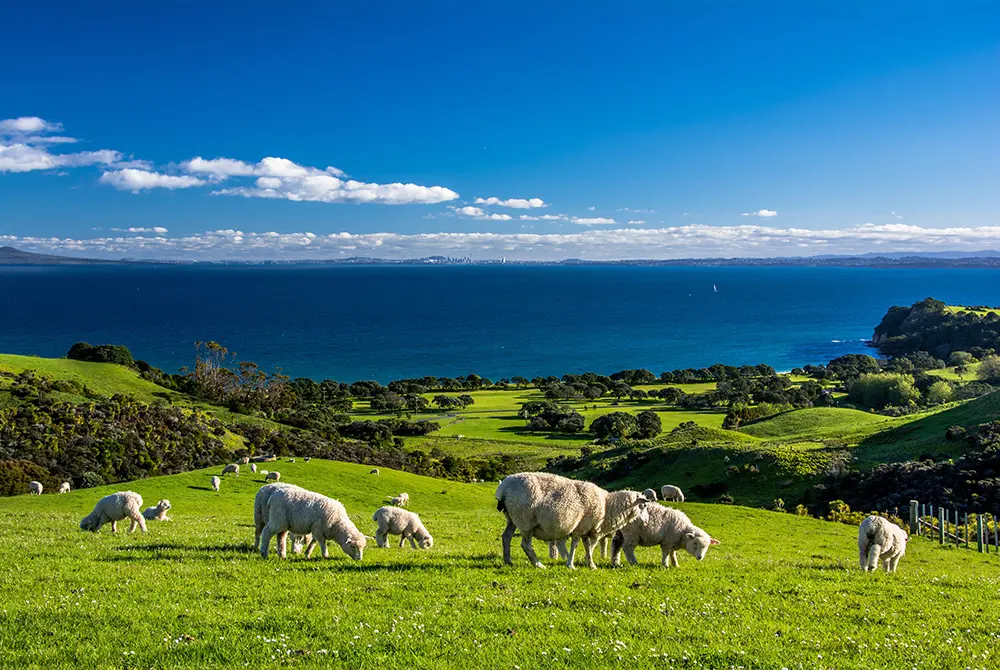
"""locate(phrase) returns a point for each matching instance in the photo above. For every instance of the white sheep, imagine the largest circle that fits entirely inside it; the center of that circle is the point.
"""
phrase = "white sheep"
(649, 494)
(671, 493)
(667, 527)
(35, 488)
(306, 459)
(272, 476)
(260, 516)
(112, 509)
(244, 460)
(231, 468)
(880, 540)
(553, 508)
(406, 524)
(295, 510)
(401, 500)
(64, 487)
(373, 471)
(158, 513)
(291, 460)
(216, 482)
(253, 467)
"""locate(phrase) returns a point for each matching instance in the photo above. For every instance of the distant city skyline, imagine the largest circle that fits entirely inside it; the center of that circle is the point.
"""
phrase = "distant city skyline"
(523, 132)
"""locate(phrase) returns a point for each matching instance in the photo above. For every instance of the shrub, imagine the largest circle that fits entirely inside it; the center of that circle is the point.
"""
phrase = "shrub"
(614, 425)
(649, 424)
(989, 370)
(940, 393)
(15, 475)
(726, 499)
(102, 353)
(878, 390)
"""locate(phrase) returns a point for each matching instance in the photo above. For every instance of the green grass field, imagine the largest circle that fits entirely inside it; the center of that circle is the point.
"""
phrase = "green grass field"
(780, 591)
(102, 378)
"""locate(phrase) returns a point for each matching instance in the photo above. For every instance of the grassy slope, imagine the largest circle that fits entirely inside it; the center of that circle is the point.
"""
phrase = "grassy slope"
(818, 422)
(103, 378)
(779, 591)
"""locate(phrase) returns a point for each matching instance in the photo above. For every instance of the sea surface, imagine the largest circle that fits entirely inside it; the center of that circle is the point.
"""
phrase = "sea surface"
(388, 322)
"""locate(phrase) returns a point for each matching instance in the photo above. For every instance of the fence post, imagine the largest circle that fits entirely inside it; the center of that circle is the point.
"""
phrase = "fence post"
(956, 529)
(913, 518)
(941, 523)
(979, 533)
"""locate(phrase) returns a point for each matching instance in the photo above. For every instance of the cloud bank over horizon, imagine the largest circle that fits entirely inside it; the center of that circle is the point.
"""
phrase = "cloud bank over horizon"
(694, 241)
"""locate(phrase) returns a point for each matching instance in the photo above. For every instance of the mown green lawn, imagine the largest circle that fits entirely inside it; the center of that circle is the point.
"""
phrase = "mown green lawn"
(780, 591)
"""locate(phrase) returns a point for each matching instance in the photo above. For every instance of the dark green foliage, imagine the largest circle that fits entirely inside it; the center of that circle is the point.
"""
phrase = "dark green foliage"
(543, 416)
(614, 425)
(852, 366)
(15, 475)
(883, 390)
(102, 353)
(649, 424)
(930, 326)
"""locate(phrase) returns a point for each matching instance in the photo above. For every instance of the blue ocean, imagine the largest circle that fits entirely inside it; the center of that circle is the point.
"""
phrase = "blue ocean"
(387, 322)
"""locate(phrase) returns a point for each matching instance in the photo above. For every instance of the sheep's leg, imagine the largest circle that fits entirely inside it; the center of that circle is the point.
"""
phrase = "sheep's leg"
(874, 551)
(323, 549)
(673, 557)
(561, 549)
(257, 530)
(630, 554)
(863, 557)
(604, 546)
(310, 547)
(265, 541)
(894, 563)
(571, 556)
(529, 550)
(114, 526)
(616, 549)
(665, 552)
(413, 543)
(402, 540)
(588, 546)
(282, 543)
(138, 520)
(553, 550)
(508, 535)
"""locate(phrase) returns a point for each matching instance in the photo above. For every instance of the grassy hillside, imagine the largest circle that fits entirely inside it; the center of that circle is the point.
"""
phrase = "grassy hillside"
(780, 591)
(101, 378)
(818, 422)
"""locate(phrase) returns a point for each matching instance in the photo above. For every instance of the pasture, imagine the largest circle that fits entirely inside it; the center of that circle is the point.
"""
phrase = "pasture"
(780, 591)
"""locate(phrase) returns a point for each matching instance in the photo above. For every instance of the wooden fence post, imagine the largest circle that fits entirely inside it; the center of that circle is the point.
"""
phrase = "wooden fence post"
(979, 533)
(956, 529)
(941, 523)
(914, 530)
(966, 530)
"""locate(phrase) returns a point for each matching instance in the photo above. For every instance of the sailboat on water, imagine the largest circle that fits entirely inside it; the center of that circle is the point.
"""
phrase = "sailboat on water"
(715, 288)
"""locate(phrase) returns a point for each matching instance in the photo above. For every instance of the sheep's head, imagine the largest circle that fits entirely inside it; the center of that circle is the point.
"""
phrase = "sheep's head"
(163, 505)
(355, 546)
(425, 541)
(89, 523)
(697, 544)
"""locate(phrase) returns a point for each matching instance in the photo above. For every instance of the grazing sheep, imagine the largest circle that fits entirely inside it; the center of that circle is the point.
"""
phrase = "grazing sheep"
(667, 527)
(263, 472)
(406, 524)
(272, 476)
(253, 467)
(158, 513)
(64, 487)
(35, 488)
(264, 459)
(671, 493)
(112, 509)
(554, 508)
(401, 500)
(260, 516)
(650, 495)
(306, 459)
(231, 468)
(291, 460)
(373, 471)
(244, 460)
(215, 483)
(295, 510)
(880, 540)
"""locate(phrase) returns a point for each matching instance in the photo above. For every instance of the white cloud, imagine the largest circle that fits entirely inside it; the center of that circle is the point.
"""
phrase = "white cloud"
(24, 147)
(637, 222)
(591, 208)
(479, 214)
(131, 179)
(592, 221)
(513, 203)
(543, 217)
(896, 215)
(767, 213)
(28, 125)
(694, 241)
(635, 211)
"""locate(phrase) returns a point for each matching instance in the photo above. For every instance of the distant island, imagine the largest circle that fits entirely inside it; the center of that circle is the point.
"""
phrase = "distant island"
(942, 259)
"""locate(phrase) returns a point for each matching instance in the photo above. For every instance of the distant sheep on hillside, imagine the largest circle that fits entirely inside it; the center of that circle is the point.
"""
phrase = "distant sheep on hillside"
(112, 509)
(671, 493)
(216, 482)
(373, 471)
(253, 467)
(64, 487)
(272, 476)
(158, 513)
(649, 494)
(880, 540)
(244, 460)
(406, 524)
(35, 488)
(401, 500)
(232, 468)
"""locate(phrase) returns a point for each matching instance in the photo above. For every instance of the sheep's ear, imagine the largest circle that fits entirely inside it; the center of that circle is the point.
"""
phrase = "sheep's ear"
(714, 541)
(690, 536)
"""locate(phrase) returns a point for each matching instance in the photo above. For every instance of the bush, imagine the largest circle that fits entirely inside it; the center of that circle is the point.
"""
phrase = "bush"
(940, 393)
(614, 425)
(726, 499)
(989, 370)
(15, 475)
(878, 390)
(649, 424)
(103, 353)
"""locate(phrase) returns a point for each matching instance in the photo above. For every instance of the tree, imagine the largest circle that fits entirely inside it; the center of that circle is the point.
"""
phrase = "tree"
(852, 366)
(466, 400)
(883, 390)
(649, 424)
(614, 425)
(519, 381)
(620, 389)
(940, 393)
(989, 370)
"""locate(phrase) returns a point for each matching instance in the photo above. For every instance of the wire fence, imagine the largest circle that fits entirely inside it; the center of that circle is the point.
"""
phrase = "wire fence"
(978, 531)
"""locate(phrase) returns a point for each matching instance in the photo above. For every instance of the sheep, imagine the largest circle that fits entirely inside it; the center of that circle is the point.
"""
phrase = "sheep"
(64, 487)
(880, 540)
(291, 460)
(306, 459)
(231, 468)
(215, 483)
(253, 467)
(650, 495)
(260, 516)
(296, 510)
(671, 493)
(158, 513)
(35, 488)
(553, 508)
(373, 471)
(401, 500)
(263, 473)
(112, 509)
(244, 460)
(272, 476)
(406, 524)
(667, 527)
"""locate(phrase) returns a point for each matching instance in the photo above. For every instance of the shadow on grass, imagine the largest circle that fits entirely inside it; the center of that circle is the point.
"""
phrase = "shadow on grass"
(201, 488)
(231, 547)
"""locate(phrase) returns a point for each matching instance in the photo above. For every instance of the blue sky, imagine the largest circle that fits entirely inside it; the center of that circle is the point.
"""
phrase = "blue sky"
(652, 129)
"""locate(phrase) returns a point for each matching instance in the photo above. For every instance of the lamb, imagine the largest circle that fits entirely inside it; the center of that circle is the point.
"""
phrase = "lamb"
(272, 476)
(35, 488)
(650, 495)
(880, 540)
(669, 528)
(291, 460)
(260, 516)
(406, 524)
(401, 500)
(553, 508)
(231, 468)
(253, 467)
(306, 459)
(373, 471)
(244, 460)
(671, 493)
(112, 509)
(64, 487)
(296, 510)
(158, 513)
(215, 483)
